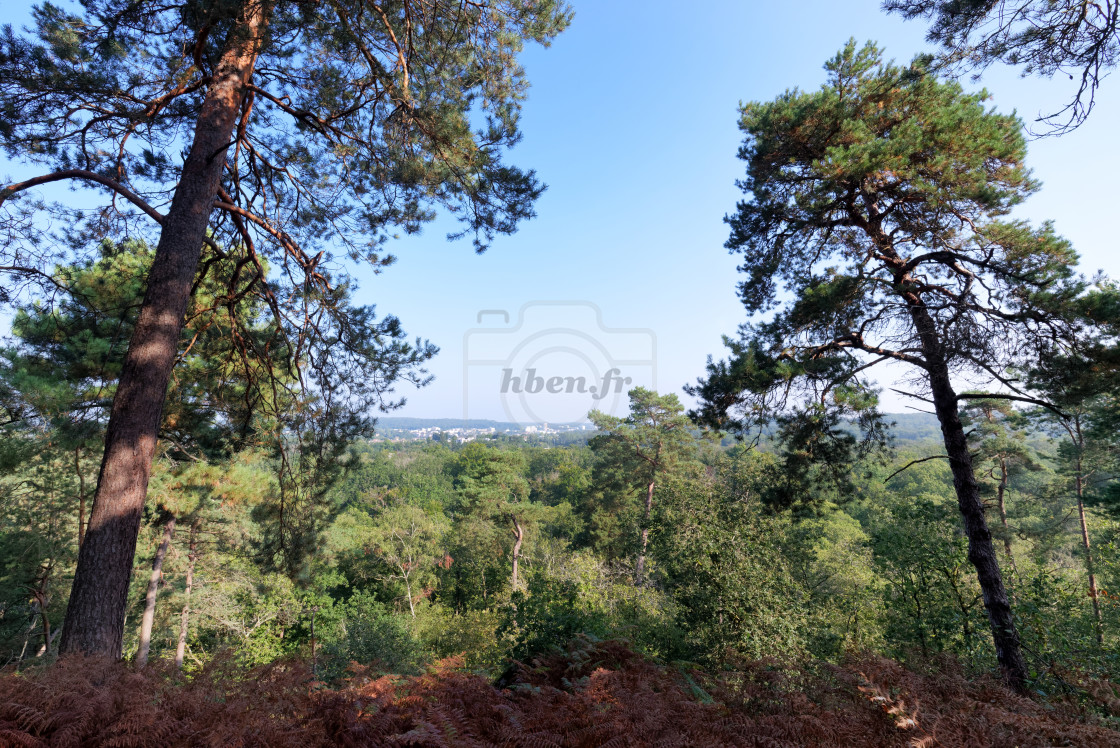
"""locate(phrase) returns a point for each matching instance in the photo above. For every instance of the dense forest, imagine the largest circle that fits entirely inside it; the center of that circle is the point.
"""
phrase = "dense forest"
(204, 541)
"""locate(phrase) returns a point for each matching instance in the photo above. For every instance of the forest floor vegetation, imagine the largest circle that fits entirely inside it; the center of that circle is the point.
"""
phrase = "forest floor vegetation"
(593, 694)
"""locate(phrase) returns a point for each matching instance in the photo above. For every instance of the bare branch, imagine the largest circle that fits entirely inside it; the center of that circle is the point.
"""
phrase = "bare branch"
(913, 463)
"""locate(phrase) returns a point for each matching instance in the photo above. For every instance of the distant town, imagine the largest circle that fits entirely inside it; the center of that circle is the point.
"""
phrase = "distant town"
(905, 427)
(458, 430)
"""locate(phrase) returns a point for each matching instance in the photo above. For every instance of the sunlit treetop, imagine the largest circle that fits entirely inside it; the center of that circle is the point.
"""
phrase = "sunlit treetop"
(361, 118)
(881, 195)
(1050, 38)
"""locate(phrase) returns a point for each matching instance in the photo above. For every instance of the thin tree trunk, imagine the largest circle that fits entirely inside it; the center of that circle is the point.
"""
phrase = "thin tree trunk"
(45, 622)
(640, 571)
(921, 625)
(185, 616)
(27, 634)
(99, 597)
(1009, 651)
(408, 591)
(149, 616)
(1000, 490)
(519, 535)
(1088, 556)
(46, 647)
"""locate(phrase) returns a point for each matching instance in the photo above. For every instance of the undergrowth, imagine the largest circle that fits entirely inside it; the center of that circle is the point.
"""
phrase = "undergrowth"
(594, 694)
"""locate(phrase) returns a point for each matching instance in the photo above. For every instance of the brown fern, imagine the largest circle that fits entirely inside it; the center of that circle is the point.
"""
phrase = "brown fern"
(595, 694)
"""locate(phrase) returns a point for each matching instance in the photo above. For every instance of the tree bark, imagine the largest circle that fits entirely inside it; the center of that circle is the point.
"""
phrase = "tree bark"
(95, 615)
(149, 616)
(185, 616)
(639, 572)
(27, 634)
(981, 552)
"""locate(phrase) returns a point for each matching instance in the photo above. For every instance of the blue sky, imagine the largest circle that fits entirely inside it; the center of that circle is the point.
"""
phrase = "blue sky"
(631, 121)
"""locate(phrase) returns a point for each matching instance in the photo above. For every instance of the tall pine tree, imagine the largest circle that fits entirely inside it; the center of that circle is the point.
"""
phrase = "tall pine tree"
(872, 230)
(307, 129)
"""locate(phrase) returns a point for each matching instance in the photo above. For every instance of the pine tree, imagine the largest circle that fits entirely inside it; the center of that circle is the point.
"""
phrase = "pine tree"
(872, 230)
(650, 441)
(1083, 390)
(1075, 39)
(493, 486)
(307, 128)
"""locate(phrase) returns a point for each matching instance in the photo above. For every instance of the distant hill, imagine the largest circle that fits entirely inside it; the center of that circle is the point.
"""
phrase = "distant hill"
(914, 426)
(907, 426)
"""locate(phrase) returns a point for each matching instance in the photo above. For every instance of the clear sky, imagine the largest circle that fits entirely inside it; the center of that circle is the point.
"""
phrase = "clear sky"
(631, 121)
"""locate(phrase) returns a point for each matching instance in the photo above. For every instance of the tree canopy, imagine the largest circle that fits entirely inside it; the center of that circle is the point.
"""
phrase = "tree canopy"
(874, 230)
(1076, 39)
(313, 130)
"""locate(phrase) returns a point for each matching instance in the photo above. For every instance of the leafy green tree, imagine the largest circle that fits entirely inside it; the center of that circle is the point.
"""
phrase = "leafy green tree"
(38, 545)
(404, 546)
(368, 633)
(493, 487)
(872, 226)
(479, 550)
(831, 557)
(719, 558)
(1044, 37)
(307, 127)
(651, 441)
(931, 601)
(211, 501)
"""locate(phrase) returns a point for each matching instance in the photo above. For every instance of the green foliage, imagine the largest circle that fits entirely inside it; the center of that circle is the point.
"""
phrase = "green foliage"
(797, 545)
(1043, 38)
(860, 195)
(633, 456)
(933, 603)
(365, 632)
(583, 597)
(832, 557)
(374, 141)
(470, 634)
(721, 563)
(733, 574)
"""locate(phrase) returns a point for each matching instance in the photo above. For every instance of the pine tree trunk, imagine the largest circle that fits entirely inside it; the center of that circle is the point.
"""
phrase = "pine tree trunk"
(99, 597)
(185, 616)
(639, 573)
(981, 552)
(149, 617)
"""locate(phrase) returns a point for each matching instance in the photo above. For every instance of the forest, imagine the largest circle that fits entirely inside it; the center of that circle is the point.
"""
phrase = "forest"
(205, 538)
